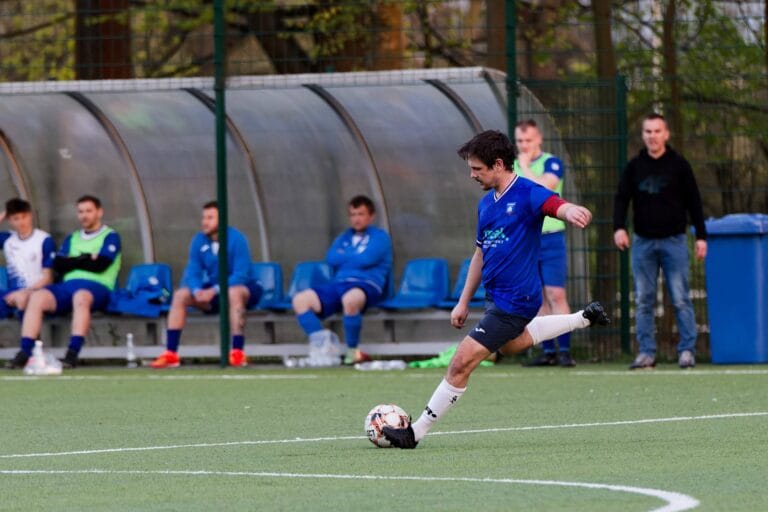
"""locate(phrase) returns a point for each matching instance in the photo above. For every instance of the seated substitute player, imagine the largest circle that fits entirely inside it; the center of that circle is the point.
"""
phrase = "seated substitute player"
(89, 260)
(200, 289)
(29, 254)
(510, 216)
(361, 258)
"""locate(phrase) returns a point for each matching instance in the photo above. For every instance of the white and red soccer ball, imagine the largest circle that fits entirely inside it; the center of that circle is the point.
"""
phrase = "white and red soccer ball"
(381, 416)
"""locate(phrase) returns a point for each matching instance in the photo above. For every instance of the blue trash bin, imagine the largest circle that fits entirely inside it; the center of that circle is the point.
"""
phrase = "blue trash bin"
(737, 288)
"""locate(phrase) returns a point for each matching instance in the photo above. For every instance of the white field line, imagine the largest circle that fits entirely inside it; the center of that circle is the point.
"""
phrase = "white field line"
(675, 501)
(606, 423)
(348, 438)
(678, 372)
(255, 376)
(542, 372)
(299, 375)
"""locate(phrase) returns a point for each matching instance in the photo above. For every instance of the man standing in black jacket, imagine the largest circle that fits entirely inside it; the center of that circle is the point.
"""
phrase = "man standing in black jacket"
(663, 191)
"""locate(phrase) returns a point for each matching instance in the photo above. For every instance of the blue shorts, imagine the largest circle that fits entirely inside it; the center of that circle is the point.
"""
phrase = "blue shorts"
(63, 293)
(330, 295)
(6, 311)
(553, 259)
(496, 328)
(254, 289)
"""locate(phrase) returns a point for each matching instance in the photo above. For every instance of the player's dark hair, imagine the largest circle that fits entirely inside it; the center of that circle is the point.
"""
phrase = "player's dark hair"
(211, 204)
(358, 201)
(89, 198)
(17, 205)
(653, 116)
(528, 123)
(489, 146)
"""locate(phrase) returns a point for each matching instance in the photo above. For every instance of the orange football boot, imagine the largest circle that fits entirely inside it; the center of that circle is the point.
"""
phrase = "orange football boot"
(167, 359)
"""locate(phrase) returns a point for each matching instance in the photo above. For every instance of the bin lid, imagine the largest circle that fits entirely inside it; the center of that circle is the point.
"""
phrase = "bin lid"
(738, 224)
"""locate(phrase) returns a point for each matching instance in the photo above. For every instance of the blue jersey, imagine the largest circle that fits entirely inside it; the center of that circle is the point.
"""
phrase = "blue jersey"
(509, 234)
(202, 269)
(363, 256)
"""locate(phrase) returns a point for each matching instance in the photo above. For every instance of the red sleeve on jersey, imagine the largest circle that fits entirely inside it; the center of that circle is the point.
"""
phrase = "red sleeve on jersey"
(551, 205)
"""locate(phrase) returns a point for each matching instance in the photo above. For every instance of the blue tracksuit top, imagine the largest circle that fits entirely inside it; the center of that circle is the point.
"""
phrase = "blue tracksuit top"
(202, 269)
(367, 258)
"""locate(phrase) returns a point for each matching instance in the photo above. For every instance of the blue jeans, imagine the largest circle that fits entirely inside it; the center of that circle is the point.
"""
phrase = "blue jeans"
(671, 255)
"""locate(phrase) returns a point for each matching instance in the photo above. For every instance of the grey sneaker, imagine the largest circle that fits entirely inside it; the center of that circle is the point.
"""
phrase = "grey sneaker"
(686, 359)
(643, 361)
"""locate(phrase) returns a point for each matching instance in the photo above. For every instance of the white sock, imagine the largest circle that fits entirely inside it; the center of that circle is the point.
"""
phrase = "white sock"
(547, 327)
(442, 399)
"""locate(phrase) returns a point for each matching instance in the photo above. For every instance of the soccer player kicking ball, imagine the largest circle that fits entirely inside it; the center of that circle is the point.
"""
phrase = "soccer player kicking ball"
(509, 223)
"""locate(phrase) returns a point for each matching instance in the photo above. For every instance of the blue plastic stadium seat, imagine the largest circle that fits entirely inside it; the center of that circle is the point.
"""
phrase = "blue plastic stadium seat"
(306, 274)
(424, 284)
(269, 276)
(5, 310)
(147, 291)
(478, 299)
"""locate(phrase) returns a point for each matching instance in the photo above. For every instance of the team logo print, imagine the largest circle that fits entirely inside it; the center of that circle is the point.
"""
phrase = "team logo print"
(112, 248)
(511, 208)
(480, 329)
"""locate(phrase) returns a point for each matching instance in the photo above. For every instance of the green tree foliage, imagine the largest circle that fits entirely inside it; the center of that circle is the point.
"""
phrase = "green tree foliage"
(36, 40)
(723, 98)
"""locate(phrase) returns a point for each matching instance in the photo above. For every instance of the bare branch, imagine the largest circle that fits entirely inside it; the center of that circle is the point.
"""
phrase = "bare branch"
(34, 28)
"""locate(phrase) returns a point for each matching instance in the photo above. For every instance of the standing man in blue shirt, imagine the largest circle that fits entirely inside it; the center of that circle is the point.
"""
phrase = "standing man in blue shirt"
(361, 258)
(89, 261)
(510, 217)
(29, 254)
(547, 170)
(199, 287)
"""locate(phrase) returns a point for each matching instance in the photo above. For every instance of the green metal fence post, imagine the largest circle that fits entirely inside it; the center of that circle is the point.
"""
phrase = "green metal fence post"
(221, 175)
(510, 12)
(621, 161)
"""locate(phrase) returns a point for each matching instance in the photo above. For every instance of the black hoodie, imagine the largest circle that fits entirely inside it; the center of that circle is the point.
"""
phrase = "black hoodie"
(662, 191)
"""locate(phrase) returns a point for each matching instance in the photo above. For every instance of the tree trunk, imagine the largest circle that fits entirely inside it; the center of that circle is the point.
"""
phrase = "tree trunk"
(389, 44)
(103, 39)
(286, 55)
(606, 55)
(670, 73)
(496, 35)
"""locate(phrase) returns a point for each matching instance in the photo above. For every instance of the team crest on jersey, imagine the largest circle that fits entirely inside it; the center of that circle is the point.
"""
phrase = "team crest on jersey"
(511, 208)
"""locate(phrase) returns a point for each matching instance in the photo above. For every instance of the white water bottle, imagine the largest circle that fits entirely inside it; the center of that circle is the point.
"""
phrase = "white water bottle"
(131, 355)
(36, 364)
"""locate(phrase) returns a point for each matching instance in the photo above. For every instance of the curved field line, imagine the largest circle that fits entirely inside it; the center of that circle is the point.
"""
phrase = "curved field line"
(675, 501)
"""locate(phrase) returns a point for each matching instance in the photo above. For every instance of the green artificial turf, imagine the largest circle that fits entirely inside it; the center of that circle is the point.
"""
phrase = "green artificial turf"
(272, 439)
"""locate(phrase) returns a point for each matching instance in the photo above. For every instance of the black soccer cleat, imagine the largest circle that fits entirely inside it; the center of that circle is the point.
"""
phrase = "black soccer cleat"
(596, 315)
(18, 361)
(565, 360)
(544, 359)
(401, 437)
(69, 360)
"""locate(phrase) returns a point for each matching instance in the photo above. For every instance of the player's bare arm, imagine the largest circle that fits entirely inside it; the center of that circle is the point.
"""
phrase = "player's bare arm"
(575, 215)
